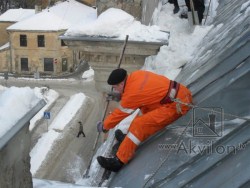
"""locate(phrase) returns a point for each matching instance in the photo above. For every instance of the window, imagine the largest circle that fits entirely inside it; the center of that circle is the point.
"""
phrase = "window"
(24, 64)
(48, 64)
(23, 40)
(40, 41)
(63, 43)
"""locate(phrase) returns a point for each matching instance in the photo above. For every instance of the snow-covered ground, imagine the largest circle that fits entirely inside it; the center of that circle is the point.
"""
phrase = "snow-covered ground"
(168, 62)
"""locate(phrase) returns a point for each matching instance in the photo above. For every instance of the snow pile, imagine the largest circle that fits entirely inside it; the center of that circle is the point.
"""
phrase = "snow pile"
(49, 96)
(22, 101)
(116, 23)
(182, 44)
(39, 153)
(88, 75)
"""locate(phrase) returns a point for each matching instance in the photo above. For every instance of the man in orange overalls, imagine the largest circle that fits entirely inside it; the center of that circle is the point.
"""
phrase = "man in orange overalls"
(152, 94)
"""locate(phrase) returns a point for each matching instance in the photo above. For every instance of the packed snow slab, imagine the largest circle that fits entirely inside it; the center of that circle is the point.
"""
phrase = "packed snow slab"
(219, 77)
(22, 100)
(20, 123)
(116, 24)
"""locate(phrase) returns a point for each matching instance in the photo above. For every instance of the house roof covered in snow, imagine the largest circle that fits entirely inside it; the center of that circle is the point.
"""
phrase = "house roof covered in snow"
(16, 15)
(59, 17)
(5, 46)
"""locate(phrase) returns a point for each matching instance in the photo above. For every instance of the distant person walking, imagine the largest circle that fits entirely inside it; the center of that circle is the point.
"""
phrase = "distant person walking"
(80, 130)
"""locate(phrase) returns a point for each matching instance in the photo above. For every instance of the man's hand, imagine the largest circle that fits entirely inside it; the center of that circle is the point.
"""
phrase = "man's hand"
(113, 96)
(100, 128)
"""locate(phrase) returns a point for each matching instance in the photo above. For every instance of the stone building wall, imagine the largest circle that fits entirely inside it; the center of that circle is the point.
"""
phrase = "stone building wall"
(4, 59)
(15, 161)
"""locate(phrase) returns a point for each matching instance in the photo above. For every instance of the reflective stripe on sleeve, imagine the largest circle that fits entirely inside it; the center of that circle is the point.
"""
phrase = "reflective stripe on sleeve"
(133, 138)
(172, 93)
(126, 110)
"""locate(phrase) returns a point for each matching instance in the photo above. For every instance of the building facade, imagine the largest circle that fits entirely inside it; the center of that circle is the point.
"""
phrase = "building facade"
(40, 52)
(34, 43)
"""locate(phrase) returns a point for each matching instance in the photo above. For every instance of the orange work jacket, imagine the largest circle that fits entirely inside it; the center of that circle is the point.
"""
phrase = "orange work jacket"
(144, 90)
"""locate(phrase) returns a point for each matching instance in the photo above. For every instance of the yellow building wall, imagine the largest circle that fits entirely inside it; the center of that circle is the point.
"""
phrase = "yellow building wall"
(4, 37)
(4, 60)
(36, 55)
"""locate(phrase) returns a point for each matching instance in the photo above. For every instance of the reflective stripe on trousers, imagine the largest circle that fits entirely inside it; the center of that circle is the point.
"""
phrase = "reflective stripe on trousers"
(133, 138)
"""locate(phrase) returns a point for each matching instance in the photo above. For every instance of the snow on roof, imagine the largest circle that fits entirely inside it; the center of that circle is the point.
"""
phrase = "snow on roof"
(116, 23)
(15, 15)
(9, 97)
(59, 17)
(43, 21)
(5, 46)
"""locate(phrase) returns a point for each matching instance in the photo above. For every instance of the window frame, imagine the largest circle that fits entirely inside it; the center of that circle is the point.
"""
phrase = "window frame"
(23, 40)
(48, 64)
(40, 41)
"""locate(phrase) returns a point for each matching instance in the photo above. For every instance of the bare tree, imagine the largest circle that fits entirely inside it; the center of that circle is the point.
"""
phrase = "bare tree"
(7, 4)
(4, 5)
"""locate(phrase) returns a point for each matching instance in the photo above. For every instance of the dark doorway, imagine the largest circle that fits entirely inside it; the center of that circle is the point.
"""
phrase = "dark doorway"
(48, 64)
(24, 64)
(64, 64)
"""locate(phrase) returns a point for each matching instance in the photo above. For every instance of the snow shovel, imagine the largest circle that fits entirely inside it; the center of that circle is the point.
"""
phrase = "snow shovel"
(192, 15)
(106, 172)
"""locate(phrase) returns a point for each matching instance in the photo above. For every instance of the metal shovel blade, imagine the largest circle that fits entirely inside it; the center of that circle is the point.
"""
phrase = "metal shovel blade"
(193, 18)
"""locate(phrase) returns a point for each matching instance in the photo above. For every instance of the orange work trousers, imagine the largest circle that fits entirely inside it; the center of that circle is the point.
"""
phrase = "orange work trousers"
(151, 122)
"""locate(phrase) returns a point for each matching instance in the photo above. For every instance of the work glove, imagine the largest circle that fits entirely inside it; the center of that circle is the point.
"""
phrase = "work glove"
(100, 128)
(113, 96)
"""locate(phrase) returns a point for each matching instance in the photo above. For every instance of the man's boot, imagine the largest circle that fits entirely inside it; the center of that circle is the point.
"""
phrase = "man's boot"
(115, 148)
(112, 164)
(176, 9)
(119, 135)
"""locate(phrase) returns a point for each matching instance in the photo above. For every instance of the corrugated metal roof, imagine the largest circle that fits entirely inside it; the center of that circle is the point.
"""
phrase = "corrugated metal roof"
(179, 156)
